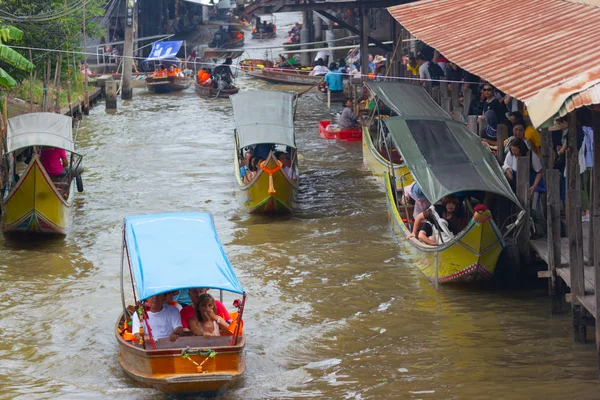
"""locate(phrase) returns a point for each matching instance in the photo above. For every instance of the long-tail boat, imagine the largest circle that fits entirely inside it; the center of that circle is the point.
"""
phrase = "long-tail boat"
(165, 52)
(264, 127)
(32, 200)
(378, 155)
(445, 158)
(255, 64)
(161, 253)
(211, 92)
(286, 75)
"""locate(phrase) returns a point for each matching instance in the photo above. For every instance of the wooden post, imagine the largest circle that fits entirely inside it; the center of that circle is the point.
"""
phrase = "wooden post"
(86, 95)
(455, 88)
(523, 167)
(501, 136)
(110, 91)
(467, 97)
(472, 123)
(575, 231)
(554, 250)
(447, 104)
(546, 150)
(57, 73)
(364, 43)
(596, 219)
(126, 89)
(30, 85)
(457, 113)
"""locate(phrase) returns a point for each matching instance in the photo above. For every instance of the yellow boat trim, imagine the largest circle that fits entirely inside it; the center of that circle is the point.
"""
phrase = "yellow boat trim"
(471, 254)
(379, 165)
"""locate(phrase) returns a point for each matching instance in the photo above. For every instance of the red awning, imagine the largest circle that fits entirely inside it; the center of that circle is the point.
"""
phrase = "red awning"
(542, 52)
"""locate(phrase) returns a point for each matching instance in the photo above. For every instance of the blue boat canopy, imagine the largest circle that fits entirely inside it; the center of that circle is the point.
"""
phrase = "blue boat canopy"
(177, 251)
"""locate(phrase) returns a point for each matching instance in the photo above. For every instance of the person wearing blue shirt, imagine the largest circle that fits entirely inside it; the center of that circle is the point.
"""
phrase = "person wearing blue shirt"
(334, 79)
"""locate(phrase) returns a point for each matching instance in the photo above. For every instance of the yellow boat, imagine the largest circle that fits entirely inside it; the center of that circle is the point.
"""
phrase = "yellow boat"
(265, 130)
(36, 202)
(377, 163)
(162, 256)
(446, 159)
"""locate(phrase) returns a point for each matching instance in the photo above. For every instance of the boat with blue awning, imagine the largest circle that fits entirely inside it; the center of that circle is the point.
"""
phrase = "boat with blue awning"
(164, 253)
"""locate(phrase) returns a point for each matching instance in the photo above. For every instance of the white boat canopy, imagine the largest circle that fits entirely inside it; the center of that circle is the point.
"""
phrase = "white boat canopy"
(40, 129)
(264, 116)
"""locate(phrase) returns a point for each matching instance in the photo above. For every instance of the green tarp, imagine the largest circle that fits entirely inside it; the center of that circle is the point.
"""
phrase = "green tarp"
(444, 157)
(407, 100)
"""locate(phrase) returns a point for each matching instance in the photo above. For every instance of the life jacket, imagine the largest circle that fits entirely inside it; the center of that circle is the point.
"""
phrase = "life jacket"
(233, 325)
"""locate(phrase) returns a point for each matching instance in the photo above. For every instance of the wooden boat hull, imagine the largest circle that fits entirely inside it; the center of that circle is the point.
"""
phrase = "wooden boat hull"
(167, 84)
(209, 91)
(254, 64)
(472, 256)
(378, 164)
(35, 205)
(289, 76)
(258, 198)
(166, 370)
(263, 35)
(342, 134)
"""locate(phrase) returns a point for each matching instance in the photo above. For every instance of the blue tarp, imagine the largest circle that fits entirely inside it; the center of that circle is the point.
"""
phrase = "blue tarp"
(177, 251)
(162, 50)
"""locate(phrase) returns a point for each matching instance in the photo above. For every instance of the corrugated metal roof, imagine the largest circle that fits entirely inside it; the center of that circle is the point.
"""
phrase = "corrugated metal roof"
(542, 52)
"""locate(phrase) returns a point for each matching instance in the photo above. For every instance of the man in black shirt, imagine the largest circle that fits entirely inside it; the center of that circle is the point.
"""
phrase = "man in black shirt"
(492, 103)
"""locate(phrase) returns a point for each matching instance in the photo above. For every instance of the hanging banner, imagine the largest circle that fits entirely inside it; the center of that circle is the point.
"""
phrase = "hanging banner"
(162, 50)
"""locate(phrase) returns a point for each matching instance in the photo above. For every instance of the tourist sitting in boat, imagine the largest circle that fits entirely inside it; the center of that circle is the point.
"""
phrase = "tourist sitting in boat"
(188, 313)
(449, 210)
(206, 321)
(222, 73)
(334, 79)
(164, 320)
(287, 165)
(204, 77)
(319, 69)
(282, 62)
(518, 148)
(429, 232)
(170, 299)
(56, 164)
(348, 119)
(414, 195)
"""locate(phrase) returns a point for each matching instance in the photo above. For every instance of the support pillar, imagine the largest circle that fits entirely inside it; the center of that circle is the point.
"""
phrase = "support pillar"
(364, 43)
(523, 168)
(575, 232)
(305, 58)
(596, 225)
(318, 27)
(126, 90)
(110, 92)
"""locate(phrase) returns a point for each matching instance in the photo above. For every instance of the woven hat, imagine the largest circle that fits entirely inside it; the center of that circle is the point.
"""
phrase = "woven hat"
(379, 59)
(417, 193)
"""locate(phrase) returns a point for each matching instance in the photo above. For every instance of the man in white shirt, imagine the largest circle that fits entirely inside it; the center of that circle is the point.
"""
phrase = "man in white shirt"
(164, 320)
(423, 67)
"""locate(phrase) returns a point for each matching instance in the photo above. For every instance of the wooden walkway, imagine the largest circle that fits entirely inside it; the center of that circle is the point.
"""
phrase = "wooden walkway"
(540, 247)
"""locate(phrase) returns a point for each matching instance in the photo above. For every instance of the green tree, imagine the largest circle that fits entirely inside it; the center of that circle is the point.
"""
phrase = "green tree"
(10, 56)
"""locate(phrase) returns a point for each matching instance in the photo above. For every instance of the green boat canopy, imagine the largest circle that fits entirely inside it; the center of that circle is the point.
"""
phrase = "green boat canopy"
(444, 157)
(264, 116)
(407, 100)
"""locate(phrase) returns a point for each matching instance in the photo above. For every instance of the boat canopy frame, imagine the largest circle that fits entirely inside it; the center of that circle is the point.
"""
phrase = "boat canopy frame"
(40, 129)
(156, 268)
(264, 116)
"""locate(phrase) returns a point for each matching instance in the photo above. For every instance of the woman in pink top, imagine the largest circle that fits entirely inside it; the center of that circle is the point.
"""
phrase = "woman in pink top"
(54, 160)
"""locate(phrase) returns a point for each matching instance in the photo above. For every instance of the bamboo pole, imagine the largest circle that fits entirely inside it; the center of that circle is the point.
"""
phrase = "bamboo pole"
(30, 84)
(57, 83)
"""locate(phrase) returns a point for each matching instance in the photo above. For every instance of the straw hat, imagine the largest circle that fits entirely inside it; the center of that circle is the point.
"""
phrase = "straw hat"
(379, 59)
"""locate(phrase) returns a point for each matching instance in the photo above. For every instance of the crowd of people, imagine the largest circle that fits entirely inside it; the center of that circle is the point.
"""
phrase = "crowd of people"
(161, 70)
(199, 314)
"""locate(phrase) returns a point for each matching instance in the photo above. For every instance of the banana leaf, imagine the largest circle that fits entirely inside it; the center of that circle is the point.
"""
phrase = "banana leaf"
(6, 81)
(8, 32)
(15, 59)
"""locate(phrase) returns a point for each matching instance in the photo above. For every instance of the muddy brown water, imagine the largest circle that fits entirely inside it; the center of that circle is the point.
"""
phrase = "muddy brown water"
(336, 307)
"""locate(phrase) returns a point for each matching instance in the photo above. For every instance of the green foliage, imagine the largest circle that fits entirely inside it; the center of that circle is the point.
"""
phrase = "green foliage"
(10, 57)
(64, 33)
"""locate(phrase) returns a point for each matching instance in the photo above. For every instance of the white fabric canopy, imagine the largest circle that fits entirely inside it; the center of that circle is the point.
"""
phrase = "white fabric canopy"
(40, 129)
(264, 116)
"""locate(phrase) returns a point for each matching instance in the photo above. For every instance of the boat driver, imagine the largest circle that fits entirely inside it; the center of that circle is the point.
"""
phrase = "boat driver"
(164, 320)
(56, 164)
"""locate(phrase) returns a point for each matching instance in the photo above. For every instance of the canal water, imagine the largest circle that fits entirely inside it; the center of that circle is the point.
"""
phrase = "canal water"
(336, 307)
